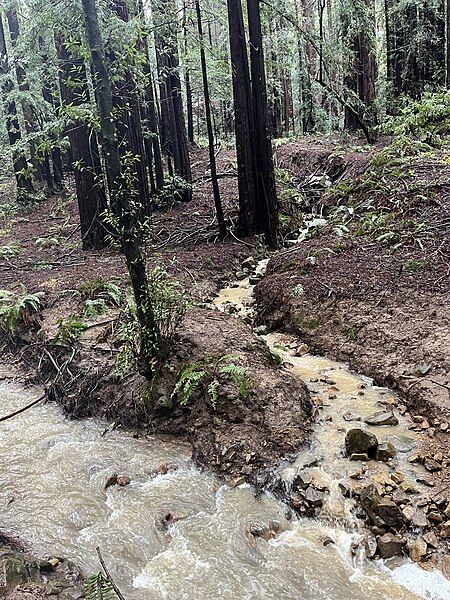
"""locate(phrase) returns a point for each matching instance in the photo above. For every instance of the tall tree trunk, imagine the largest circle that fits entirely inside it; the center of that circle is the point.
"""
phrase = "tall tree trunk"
(30, 124)
(49, 93)
(212, 155)
(20, 164)
(267, 194)
(84, 153)
(174, 136)
(120, 194)
(129, 125)
(248, 203)
(187, 77)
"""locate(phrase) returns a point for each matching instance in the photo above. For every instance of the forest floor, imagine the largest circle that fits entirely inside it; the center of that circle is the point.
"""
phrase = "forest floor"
(368, 285)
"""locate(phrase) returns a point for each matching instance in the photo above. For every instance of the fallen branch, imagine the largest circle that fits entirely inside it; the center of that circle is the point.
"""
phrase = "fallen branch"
(21, 410)
(108, 575)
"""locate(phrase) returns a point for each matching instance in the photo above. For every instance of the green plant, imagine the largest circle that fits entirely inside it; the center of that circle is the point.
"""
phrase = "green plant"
(99, 587)
(69, 330)
(47, 242)
(210, 373)
(94, 308)
(9, 250)
(188, 382)
(99, 289)
(169, 301)
(17, 311)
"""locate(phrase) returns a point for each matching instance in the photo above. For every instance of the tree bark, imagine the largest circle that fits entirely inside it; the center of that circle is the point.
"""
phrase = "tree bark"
(212, 156)
(20, 163)
(267, 195)
(247, 180)
(84, 153)
(174, 137)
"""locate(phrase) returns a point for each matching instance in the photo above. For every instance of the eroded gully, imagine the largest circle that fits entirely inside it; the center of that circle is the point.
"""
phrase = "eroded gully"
(52, 495)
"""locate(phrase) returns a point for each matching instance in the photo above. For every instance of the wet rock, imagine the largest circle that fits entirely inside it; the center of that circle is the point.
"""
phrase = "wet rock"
(402, 443)
(370, 545)
(418, 519)
(431, 539)
(362, 456)
(17, 570)
(444, 426)
(123, 480)
(314, 497)
(112, 480)
(397, 478)
(408, 488)
(389, 545)
(349, 416)
(328, 541)
(302, 480)
(385, 451)
(249, 263)
(381, 511)
(381, 419)
(359, 441)
(240, 275)
(425, 481)
(417, 549)
(345, 490)
(254, 279)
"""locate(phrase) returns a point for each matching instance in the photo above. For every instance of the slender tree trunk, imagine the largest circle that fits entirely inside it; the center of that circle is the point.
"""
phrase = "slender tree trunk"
(189, 107)
(267, 194)
(129, 123)
(49, 93)
(120, 195)
(212, 156)
(30, 124)
(84, 153)
(20, 164)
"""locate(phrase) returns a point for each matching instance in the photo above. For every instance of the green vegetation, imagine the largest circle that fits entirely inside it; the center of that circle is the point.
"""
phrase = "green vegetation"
(209, 374)
(18, 310)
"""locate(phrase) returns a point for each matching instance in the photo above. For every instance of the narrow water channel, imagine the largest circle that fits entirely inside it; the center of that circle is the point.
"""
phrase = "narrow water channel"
(52, 479)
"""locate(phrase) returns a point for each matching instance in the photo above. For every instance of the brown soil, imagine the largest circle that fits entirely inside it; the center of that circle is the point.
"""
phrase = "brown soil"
(384, 310)
(184, 241)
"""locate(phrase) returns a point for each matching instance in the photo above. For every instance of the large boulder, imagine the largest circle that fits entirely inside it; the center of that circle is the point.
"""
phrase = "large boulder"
(381, 511)
(360, 441)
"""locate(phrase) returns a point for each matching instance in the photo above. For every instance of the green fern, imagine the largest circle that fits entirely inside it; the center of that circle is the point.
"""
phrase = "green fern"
(188, 382)
(18, 310)
(69, 330)
(98, 587)
(213, 393)
(237, 375)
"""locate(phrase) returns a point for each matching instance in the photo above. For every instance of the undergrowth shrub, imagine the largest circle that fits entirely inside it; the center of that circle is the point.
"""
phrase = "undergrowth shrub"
(170, 302)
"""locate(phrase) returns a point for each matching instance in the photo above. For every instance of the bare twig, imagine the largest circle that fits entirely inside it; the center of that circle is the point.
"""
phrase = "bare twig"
(108, 575)
(23, 409)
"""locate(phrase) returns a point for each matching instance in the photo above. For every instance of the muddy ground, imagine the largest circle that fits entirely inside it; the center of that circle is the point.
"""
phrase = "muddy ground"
(226, 432)
(370, 288)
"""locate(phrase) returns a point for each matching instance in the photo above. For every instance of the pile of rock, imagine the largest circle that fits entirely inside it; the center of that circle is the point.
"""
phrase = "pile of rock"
(363, 445)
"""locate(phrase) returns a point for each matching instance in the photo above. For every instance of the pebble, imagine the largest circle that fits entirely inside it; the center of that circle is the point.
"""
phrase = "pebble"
(417, 550)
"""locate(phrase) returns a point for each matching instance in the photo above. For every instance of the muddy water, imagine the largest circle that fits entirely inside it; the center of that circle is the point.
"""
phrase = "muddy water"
(52, 477)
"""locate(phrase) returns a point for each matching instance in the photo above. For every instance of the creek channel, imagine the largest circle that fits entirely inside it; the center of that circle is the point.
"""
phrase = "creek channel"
(52, 496)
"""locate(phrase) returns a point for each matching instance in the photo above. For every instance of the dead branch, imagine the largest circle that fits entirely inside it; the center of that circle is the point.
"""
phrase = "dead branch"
(23, 409)
(108, 575)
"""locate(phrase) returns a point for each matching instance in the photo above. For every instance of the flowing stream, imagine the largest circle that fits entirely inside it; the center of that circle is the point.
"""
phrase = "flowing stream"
(53, 472)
